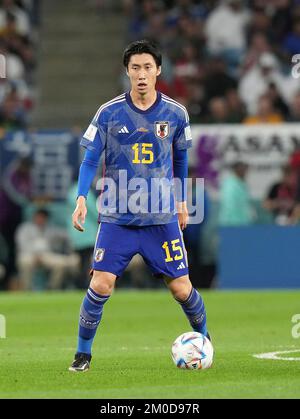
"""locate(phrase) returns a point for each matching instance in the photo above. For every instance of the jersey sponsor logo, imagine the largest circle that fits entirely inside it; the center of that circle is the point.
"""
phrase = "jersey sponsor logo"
(162, 129)
(90, 133)
(99, 254)
(188, 133)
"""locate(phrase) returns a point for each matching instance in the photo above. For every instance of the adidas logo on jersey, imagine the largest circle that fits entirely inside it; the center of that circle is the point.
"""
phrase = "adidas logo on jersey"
(181, 266)
(124, 130)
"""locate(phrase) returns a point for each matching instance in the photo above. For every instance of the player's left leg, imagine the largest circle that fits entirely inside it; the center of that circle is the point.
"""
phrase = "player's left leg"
(190, 300)
(162, 248)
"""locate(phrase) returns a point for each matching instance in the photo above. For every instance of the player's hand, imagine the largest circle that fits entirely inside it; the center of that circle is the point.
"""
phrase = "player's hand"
(183, 214)
(79, 214)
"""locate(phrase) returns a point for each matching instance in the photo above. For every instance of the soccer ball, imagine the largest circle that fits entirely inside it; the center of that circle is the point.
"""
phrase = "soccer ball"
(192, 351)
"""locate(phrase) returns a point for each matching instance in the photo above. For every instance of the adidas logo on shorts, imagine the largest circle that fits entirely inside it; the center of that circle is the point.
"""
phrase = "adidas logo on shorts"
(181, 266)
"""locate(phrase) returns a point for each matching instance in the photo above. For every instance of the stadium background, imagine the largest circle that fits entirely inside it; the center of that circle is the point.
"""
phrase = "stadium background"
(237, 81)
(233, 65)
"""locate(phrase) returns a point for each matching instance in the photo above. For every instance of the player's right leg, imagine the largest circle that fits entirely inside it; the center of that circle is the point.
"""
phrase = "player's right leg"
(99, 291)
(114, 248)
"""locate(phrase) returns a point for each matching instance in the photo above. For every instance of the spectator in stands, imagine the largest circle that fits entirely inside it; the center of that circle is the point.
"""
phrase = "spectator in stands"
(14, 67)
(266, 114)
(258, 45)
(196, 104)
(260, 21)
(277, 100)
(256, 82)
(190, 8)
(235, 107)
(226, 31)
(223, 33)
(190, 29)
(187, 69)
(15, 194)
(17, 37)
(12, 111)
(15, 74)
(281, 19)
(281, 197)
(140, 13)
(40, 245)
(217, 81)
(17, 43)
(155, 26)
(235, 200)
(22, 20)
(218, 111)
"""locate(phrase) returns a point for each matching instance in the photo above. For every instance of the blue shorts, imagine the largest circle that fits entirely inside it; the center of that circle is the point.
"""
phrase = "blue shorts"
(161, 247)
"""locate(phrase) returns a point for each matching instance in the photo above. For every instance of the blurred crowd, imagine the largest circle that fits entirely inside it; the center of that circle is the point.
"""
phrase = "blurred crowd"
(225, 60)
(19, 20)
(39, 248)
(281, 202)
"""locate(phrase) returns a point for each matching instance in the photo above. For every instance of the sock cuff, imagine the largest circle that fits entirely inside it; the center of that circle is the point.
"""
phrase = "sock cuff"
(96, 298)
(192, 293)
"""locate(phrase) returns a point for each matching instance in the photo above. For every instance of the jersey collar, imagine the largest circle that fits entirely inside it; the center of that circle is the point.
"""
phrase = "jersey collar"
(152, 107)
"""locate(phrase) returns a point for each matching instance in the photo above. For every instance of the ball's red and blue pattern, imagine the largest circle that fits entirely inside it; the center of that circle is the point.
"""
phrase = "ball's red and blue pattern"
(192, 351)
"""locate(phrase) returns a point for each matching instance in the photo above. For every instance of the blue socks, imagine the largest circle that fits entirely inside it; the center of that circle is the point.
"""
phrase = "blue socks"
(92, 308)
(195, 311)
(89, 319)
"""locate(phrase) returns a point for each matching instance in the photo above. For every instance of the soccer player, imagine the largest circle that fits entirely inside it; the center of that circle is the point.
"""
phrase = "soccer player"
(145, 136)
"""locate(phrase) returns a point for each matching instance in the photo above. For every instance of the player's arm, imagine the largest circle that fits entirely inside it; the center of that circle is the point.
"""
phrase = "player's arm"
(180, 168)
(94, 141)
(87, 172)
(181, 142)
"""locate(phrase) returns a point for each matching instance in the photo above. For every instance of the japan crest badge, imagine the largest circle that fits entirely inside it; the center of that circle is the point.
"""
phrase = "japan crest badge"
(99, 253)
(162, 129)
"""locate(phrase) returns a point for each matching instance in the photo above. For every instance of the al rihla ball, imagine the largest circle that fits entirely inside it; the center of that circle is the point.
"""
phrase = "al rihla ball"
(193, 351)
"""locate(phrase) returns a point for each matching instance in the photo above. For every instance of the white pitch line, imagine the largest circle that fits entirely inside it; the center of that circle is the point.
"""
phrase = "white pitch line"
(275, 355)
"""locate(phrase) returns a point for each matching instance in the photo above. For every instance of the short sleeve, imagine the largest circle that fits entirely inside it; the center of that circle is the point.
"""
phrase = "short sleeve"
(183, 136)
(94, 138)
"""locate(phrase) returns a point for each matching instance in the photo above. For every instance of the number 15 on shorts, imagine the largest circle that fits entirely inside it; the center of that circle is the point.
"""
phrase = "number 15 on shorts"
(176, 250)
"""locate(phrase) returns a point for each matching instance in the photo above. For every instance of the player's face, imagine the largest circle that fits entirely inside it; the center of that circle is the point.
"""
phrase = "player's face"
(142, 72)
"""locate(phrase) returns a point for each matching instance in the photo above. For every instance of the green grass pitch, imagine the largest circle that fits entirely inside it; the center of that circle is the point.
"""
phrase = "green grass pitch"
(131, 354)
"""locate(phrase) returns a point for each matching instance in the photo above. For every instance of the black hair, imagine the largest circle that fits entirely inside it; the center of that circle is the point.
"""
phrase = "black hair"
(142, 47)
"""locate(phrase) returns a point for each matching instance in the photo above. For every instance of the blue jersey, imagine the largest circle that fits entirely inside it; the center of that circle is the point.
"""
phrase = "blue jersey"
(138, 147)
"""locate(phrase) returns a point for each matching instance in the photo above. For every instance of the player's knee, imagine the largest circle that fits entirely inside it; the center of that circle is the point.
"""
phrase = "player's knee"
(103, 282)
(180, 288)
(181, 295)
